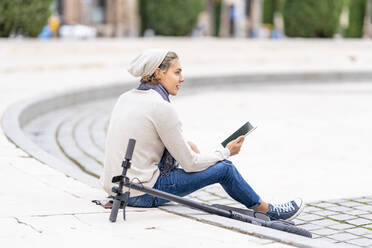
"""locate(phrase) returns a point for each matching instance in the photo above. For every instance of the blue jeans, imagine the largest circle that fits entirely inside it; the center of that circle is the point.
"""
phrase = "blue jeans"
(182, 183)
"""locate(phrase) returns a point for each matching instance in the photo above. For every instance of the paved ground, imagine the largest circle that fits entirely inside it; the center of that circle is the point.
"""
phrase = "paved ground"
(77, 135)
(29, 68)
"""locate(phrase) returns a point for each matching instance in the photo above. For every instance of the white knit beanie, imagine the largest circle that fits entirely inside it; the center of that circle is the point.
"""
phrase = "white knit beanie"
(146, 63)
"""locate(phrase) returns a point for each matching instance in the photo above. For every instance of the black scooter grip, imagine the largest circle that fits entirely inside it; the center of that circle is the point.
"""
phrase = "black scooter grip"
(130, 149)
(278, 225)
(114, 210)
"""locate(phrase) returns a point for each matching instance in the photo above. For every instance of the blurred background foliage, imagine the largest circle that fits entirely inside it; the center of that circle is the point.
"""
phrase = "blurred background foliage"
(26, 17)
(357, 10)
(312, 18)
(316, 18)
(300, 18)
(170, 17)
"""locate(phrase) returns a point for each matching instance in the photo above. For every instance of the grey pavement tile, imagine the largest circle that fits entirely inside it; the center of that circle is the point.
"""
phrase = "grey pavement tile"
(369, 236)
(183, 210)
(237, 205)
(202, 194)
(350, 204)
(361, 242)
(325, 205)
(325, 231)
(299, 222)
(208, 198)
(310, 227)
(326, 213)
(309, 217)
(359, 222)
(265, 242)
(325, 222)
(368, 226)
(357, 212)
(342, 226)
(359, 231)
(223, 201)
(337, 200)
(216, 190)
(309, 209)
(367, 216)
(343, 217)
(339, 209)
(190, 197)
(365, 208)
(315, 236)
(343, 236)
(361, 199)
(327, 240)
(201, 200)
(349, 245)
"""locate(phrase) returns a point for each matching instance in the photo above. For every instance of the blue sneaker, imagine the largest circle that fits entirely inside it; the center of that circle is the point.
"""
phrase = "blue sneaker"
(285, 211)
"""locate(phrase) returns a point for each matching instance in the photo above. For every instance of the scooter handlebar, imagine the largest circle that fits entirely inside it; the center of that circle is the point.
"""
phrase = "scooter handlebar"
(130, 149)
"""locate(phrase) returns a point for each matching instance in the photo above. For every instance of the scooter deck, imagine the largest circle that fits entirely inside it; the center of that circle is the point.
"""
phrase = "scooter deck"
(244, 211)
(250, 213)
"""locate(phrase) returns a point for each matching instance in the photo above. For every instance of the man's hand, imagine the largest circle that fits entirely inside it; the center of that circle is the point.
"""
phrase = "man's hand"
(193, 147)
(235, 145)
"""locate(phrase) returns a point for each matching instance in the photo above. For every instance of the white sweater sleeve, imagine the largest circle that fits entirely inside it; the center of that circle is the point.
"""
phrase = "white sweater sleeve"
(168, 126)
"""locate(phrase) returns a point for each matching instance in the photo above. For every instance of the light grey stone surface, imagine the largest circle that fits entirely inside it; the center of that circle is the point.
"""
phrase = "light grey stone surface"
(339, 209)
(359, 221)
(342, 227)
(342, 236)
(350, 204)
(326, 213)
(325, 222)
(365, 207)
(309, 217)
(325, 232)
(366, 216)
(96, 63)
(343, 217)
(361, 242)
(359, 231)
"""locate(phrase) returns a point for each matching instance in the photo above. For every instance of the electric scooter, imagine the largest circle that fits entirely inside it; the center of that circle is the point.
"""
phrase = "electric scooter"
(249, 216)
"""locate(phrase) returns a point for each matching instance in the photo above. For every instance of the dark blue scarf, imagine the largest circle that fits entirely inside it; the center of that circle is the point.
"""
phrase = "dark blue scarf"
(167, 162)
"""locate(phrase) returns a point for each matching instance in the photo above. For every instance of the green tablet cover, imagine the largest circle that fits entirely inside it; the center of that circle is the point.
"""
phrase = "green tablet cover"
(243, 130)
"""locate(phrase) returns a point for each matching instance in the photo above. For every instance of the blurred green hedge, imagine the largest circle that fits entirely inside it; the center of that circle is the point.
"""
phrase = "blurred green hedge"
(170, 17)
(269, 8)
(26, 17)
(312, 18)
(217, 16)
(357, 10)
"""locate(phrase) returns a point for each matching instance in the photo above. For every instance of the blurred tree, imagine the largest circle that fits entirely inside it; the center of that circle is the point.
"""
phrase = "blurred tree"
(269, 8)
(171, 17)
(144, 19)
(217, 16)
(357, 10)
(26, 17)
(312, 18)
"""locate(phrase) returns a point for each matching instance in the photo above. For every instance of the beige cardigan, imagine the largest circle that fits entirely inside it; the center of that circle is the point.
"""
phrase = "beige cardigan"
(144, 116)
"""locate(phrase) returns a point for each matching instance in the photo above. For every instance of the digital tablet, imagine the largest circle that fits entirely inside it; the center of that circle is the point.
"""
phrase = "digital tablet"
(244, 130)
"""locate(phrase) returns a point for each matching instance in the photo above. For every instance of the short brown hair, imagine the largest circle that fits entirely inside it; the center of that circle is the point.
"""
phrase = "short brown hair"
(164, 66)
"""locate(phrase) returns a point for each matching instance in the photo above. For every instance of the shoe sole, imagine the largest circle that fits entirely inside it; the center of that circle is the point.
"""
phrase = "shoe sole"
(301, 208)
